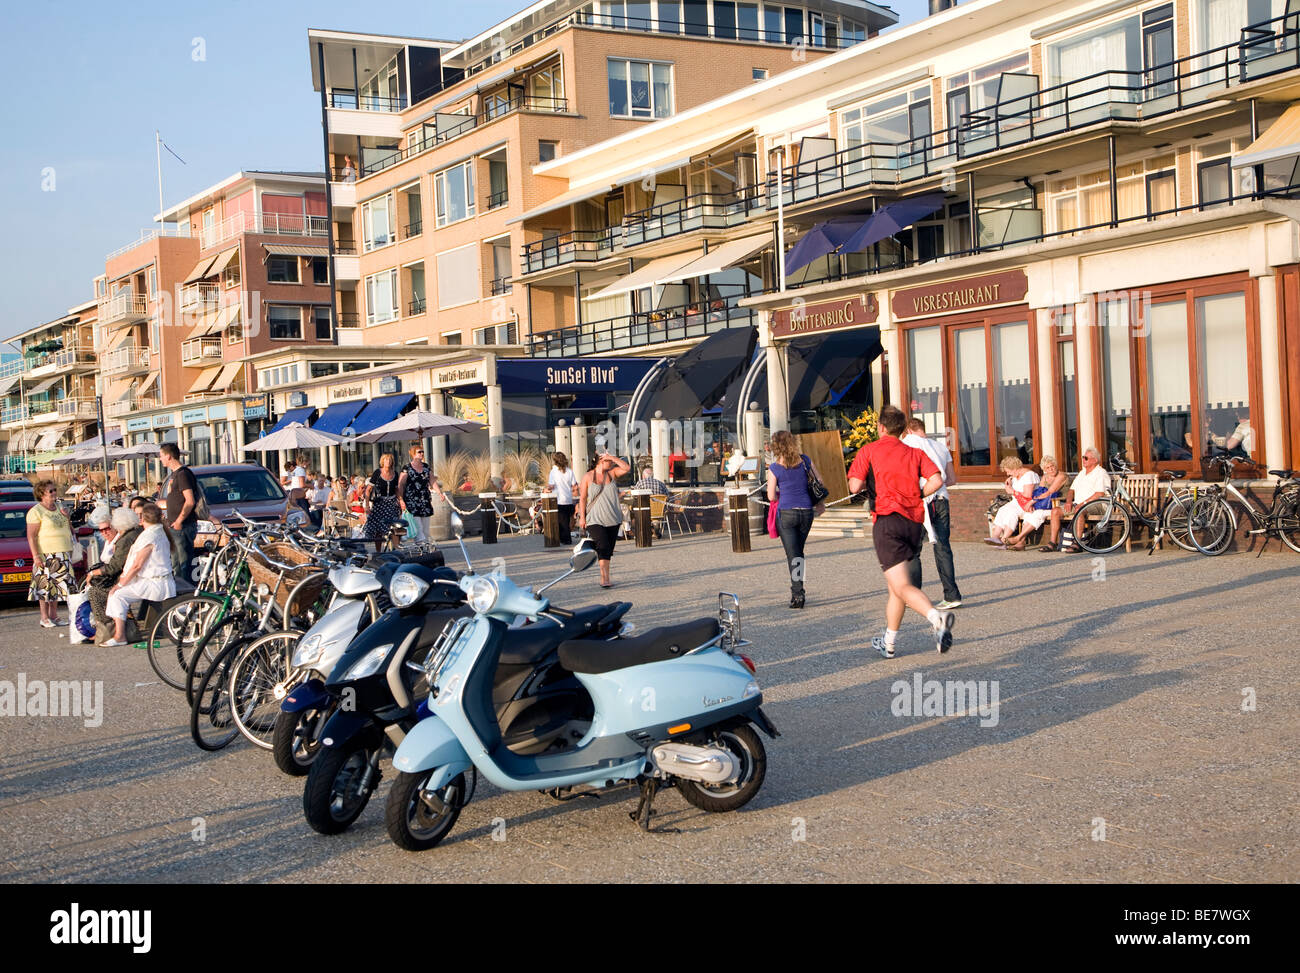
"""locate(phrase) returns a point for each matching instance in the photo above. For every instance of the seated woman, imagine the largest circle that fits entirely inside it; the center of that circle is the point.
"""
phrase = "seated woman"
(1020, 483)
(121, 533)
(147, 574)
(1048, 491)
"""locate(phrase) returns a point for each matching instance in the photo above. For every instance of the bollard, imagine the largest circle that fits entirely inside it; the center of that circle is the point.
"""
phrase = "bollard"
(489, 514)
(642, 521)
(738, 517)
(550, 520)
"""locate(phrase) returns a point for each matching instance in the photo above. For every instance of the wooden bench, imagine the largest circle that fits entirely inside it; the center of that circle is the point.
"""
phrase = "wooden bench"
(1144, 490)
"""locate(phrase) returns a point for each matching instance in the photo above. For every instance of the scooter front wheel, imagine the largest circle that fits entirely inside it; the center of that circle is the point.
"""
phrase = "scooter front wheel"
(415, 821)
(296, 740)
(334, 795)
(743, 744)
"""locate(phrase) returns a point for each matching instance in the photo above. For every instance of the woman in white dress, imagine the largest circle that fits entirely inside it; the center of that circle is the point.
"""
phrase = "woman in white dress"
(1020, 483)
(147, 575)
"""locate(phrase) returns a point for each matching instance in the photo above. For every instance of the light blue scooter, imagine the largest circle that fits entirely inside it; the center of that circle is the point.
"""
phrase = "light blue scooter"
(672, 707)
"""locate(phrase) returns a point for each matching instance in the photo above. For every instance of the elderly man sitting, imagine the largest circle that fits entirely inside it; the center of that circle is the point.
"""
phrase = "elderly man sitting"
(1092, 482)
(650, 482)
(119, 532)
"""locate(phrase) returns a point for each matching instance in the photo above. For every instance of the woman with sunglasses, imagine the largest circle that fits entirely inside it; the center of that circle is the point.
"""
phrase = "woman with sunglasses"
(119, 534)
(415, 487)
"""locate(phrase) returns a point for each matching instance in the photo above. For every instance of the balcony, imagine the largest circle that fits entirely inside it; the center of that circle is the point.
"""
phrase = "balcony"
(123, 308)
(273, 224)
(703, 211)
(640, 329)
(501, 285)
(497, 200)
(349, 331)
(132, 403)
(575, 246)
(13, 413)
(347, 101)
(200, 297)
(416, 306)
(78, 408)
(125, 360)
(200, 351)
(347, 266)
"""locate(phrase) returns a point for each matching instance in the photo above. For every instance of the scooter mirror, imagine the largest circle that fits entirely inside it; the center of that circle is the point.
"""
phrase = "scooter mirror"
(583, 557)
(457, 525)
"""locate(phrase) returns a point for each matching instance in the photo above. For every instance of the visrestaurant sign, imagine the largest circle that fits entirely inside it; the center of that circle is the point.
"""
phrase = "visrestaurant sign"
(853, 312)
(955, 296)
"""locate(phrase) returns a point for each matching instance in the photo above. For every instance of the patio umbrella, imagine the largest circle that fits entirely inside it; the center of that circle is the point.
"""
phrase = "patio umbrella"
(892, 218)
(138, 451)
(419, 425)
(822, 239)
(294, 436)
(696, 380)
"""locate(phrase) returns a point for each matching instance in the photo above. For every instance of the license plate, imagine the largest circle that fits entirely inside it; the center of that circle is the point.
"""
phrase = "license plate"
(24, 576)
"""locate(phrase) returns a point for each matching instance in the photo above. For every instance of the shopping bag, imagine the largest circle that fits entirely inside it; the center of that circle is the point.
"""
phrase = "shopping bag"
(412, 528)
(81, 626)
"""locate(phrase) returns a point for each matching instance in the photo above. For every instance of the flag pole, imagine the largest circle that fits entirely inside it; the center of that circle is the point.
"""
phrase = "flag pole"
(157, 148)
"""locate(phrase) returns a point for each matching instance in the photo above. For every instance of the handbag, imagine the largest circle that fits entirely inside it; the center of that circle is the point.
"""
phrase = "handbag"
(817, 491)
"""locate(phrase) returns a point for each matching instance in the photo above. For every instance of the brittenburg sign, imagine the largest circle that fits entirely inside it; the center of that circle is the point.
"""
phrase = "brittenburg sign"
(854, 312)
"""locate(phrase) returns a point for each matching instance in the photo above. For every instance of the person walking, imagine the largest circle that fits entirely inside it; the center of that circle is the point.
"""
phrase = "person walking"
(564, 484)
(181, 495)
(146, 576)
(49, 535)
(415, 488)
(937, 514)
(383, 509)
(892, 472)
(598, 511)
(787, 487)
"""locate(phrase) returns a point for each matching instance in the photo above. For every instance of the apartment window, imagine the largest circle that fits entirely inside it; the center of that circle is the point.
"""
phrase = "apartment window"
(381, 297)
(772, 30)
(760, 74)
(235, 331)
(415, 278)
(546, 86)
(1215, 182)
(1221, 21)
(889, 121)
(496, 334)
(282, 270)
(323, 330)
(454, 191)
(320, 270)
(724, 19)
(501, 272)
(377, 222)
(640, 89)
(231, 274)
(747, 22)
(284, 323)
(978, 89)
(793, 25)
(451, 338)
(498, 182)
(852, 32)
(547, 150)
(153, 281)
(696, 17)
(670, 16)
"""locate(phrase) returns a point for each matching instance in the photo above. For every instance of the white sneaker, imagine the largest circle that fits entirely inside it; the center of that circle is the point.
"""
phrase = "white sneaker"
(880, 645)
(943, 631)
(111, 642)
(46, 623)
(945, 605)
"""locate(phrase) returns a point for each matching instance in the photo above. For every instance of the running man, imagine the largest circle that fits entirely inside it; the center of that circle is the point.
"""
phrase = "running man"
(892, 471)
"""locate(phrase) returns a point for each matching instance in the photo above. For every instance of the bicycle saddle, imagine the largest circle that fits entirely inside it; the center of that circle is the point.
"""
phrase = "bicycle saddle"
(1282, 474)
(1173, 474)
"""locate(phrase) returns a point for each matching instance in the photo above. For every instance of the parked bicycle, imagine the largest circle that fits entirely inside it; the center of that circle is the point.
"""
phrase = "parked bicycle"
(1104, 524)
(1214, 516)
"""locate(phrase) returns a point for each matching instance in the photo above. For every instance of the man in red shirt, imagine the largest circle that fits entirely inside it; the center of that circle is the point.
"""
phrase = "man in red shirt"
(891, 471)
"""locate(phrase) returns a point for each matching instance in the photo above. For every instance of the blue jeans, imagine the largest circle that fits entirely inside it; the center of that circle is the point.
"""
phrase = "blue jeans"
(941, 521)
(793, 526)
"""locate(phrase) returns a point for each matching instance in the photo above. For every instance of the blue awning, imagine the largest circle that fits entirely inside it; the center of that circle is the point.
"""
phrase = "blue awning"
(380, 412)
(303, 415)
(338, 417)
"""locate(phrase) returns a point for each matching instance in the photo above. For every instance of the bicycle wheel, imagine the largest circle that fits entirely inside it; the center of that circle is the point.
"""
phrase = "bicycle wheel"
(174, 635)
(225, 633)
(1210, 525)
(1102, 525)
(1176, 518)
(1288, 520)
(259, 679)
(212, 724)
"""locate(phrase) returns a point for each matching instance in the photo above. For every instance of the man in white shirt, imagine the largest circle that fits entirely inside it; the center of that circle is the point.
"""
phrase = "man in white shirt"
(937, 514)
(1091, 483)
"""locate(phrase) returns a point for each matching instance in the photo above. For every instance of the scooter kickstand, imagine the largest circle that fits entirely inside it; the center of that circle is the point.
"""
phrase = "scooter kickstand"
(643, 809)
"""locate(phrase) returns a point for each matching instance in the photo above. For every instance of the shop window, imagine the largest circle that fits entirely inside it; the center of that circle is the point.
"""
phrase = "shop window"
(1067, 393)
(972, 397)
(1013, 400)
(1221, 327)
(925, 378)
(1169, 387)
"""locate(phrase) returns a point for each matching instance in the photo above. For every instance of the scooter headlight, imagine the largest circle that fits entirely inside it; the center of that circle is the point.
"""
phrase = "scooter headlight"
(369, 663)
(482, 594)
(308, 651)
(406, 589)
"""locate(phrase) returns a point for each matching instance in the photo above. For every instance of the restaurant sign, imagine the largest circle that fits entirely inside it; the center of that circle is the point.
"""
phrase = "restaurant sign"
(855, 312)
(340, 393)
(138, 423)
(255, 407)
(463, 373)
(956, 296)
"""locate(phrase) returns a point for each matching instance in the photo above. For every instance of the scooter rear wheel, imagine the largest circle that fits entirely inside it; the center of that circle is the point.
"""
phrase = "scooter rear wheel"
(414, 823)
(746, 746)
(332, 798)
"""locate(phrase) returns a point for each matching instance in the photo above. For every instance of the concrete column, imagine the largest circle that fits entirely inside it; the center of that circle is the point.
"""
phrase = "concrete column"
(438, 444)
(1270, 410)
(659, 447)
(237, 440)
(496, 430)
(214, 444)
(1086, 378)
(579, 450)
(778, 396)
(754, 432)
(563, 441)
(1045, 388)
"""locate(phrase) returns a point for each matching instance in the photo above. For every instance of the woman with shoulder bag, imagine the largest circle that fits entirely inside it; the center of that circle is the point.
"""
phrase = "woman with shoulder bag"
(599, 513)
(49, 535)
(790, 485)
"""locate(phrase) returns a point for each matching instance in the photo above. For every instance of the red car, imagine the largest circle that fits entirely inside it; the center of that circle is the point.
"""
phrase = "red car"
(16, 555)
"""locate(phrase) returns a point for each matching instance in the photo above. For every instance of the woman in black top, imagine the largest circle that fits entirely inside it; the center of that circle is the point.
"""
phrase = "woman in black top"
(384, 507)
(415, 486)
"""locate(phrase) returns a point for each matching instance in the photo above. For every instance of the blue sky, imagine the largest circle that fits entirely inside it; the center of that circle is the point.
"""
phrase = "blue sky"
(90, 82)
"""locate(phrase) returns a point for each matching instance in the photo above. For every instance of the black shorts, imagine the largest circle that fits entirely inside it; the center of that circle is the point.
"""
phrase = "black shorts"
(896, 539)
(603, 537)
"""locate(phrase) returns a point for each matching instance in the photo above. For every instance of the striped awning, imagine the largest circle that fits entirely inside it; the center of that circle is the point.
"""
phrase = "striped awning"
(205, 379)
(223, 261)
(229, 315)
(119, 338)
(50, 438)
(210, 324)
(1279, 141)
(150, 380)
(200, 270)
(229, 372)
(119, 391)
(294, 250)
(44, 385)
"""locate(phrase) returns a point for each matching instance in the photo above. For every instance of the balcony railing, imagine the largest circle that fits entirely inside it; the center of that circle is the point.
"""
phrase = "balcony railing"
(127, 358)
(123, 306)
(463, 125)
(575, 246)
(349, 319)
(182, 230)
(348, 100)
(416, 306)
(496, 200)
(641, 328)
(132, 403)
(200, 351)
(14, 413)
(500, 285)
(77, 408)
(273, 224)
(197, 297)
(412, 229)
(703, 211)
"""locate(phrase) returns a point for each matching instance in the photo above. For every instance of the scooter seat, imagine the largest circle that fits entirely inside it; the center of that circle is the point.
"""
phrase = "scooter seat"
(526, 645)
(656, 645)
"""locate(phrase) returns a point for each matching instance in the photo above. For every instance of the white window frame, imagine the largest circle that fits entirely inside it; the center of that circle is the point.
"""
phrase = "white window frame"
(372, 317)
(627, 63)
(367, 240)
(441, 215)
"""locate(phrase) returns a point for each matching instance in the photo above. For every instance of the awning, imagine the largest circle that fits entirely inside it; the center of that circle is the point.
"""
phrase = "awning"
(44, 385)
(696, 381)
(50, 438)
(722, 257)
(7, 383)
(661, 268)
(380, 412)
(223, 261)
(119, 338)
(18, 441)
(339, 416)
(119, 391)
(210, 324)
(229, 373)
(205, 379)
(601, 189)
(1280, 140)
(114, 435)
(294, 250)
(229, 315)
(200, 270)
(303, 415)
(150, 379)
